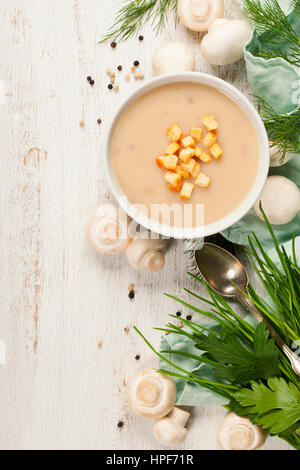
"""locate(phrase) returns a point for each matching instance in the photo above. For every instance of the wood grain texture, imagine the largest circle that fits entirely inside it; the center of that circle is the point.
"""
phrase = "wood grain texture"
(58, 298)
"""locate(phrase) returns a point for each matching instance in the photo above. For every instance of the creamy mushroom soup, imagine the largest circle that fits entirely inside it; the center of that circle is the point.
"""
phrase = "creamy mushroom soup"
(140, 137)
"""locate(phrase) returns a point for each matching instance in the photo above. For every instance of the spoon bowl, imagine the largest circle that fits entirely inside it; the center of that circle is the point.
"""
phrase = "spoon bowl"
(221, 270)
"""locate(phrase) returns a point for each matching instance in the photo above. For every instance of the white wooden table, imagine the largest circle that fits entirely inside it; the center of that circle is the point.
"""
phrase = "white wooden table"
(58, 389)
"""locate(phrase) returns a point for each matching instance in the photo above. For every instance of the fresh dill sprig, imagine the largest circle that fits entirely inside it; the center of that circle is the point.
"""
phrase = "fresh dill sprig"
(282, 129)
(135, 13)
(268, 17)
(251, 372)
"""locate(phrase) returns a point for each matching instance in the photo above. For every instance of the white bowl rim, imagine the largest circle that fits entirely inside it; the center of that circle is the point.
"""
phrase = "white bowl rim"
(264, 162)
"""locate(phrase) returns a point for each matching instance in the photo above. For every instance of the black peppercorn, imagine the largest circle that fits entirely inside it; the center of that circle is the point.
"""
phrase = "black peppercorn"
(89, 78)
(141, 38)
(113, 44)
(137, 357)
(110, 86)
(178, 314)
(99, 121)
(120, 424)
(189, 317)
(92, 82)
(131, 294)
(120, 68)
(136, 63)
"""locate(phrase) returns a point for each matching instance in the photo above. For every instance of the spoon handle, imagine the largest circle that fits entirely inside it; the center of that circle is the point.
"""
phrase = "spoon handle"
(293, 358)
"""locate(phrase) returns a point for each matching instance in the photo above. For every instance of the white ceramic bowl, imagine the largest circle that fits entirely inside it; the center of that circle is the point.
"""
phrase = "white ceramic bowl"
(264, 160)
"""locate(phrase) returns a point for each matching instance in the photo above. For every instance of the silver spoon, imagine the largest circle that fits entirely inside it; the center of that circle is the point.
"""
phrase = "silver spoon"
(221, 269)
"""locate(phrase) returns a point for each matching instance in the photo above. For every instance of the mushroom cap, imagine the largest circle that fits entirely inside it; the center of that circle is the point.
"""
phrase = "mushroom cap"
(147, 254)
(280, 200)
(106, 230)
(276, 157)
(198, 15)
(151, 394)
(225, 41)
(170, 430)
(238, 433)
(173, 57)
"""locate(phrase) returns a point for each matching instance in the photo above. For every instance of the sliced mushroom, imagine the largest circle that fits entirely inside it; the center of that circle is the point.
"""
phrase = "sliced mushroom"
(173, 57)
(225, 41)
(147, 254)
(198, 15)
(238, 433)
(280, 200)
(170, 430)
(151, 394)
(107, 230)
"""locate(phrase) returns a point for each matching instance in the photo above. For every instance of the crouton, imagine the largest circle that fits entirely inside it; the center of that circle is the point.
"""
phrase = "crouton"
(187, 141)
(174, 133)
(183, 173)
(172, 148)
(210, 123)
(197, 170)
(190, 166)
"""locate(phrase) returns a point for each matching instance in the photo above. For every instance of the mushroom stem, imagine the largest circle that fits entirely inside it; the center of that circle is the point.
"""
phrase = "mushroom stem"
(198, 15)
(173, 57)
(280, 200)
(225, 41)
(199, 8)
(106, 230)
(150, 394)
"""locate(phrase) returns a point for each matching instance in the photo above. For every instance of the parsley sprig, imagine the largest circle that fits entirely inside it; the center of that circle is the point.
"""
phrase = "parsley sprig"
(276, 404)
(271, 22)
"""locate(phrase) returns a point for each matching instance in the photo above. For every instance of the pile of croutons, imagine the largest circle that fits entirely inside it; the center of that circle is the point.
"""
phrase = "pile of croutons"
(182, 156)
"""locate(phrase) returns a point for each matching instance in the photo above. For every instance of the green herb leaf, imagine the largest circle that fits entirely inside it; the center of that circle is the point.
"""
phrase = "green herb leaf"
(277, 405)
(134, 13)
(239, 363)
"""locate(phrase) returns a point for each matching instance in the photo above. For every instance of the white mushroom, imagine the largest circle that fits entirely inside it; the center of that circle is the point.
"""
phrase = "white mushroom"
(173, 57)
(238, 433)
(147, 254)
(198, 15)
(151, 394)
(276, 157)
(106, 230)
(225, 41)
(280, 200)
(170, 430)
